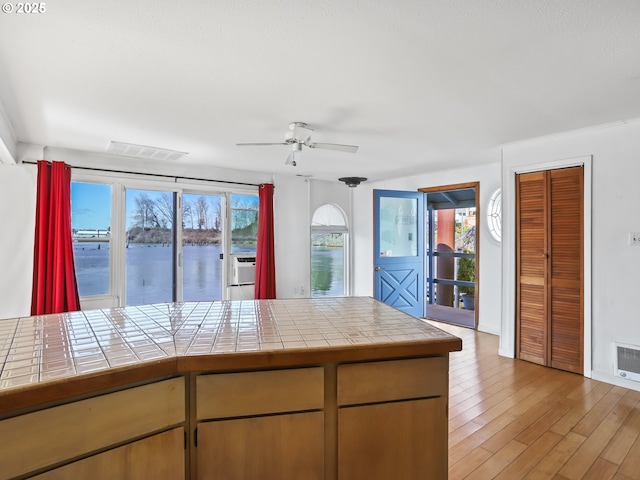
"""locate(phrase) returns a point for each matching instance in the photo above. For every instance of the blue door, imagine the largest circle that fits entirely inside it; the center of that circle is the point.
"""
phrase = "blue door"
(398, 219)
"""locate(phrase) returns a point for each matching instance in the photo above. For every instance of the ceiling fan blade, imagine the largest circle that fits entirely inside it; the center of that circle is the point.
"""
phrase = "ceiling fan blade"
(334, 146)
(258, 144)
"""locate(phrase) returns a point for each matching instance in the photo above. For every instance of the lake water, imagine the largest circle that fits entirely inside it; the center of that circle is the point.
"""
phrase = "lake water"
(149, 274)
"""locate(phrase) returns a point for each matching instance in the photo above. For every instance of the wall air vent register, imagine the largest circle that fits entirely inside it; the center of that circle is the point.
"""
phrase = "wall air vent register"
(628, 362)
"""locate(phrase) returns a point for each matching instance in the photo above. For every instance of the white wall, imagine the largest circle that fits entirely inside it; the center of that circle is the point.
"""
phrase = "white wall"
(295, 200)
(489, 301)
(293, 245)
(8, 146)
(615, 156)
(18, 219)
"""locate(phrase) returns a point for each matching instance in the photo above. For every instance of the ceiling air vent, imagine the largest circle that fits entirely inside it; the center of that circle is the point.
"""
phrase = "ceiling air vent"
(143, 151)
(628, 362)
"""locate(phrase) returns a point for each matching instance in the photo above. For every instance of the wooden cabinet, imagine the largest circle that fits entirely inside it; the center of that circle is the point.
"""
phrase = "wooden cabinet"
(366, 420)
(159, 457)
(54, 436)
(249, 425)
(392, 419)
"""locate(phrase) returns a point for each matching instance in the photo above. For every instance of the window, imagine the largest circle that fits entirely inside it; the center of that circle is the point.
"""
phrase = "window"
(91, 226)
(244, 223)
(494, 215)
(139, 242)
(328, 252)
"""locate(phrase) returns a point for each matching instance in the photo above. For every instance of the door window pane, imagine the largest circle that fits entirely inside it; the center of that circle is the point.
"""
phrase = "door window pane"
(398, 227)
(149, 247)
(244, 223)
(201, 247)
(91, 224)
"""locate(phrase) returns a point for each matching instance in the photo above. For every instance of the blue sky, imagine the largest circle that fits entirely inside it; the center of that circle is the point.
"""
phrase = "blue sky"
(90, 206)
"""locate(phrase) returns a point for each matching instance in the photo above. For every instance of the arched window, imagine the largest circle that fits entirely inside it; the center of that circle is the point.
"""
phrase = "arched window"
(329, 252)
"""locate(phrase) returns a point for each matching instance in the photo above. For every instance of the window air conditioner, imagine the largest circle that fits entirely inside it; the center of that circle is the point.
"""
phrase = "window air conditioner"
(243, 269)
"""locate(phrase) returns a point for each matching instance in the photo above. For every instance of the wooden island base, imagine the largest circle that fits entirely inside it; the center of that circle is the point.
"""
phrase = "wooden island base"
(371, 410)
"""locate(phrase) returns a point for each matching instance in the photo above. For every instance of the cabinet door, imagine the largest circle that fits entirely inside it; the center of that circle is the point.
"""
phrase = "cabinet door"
(406, 440)
(160, 457)
(59, 434)
(274, 447)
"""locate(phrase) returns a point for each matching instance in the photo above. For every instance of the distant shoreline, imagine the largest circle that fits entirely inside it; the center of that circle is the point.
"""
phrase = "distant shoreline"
(91, 239)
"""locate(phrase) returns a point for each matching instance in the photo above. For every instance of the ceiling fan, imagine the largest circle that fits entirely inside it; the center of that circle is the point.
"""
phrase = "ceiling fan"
(299, 134)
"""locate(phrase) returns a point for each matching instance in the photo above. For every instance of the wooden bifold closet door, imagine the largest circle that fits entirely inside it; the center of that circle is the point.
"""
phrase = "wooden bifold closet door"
(549, 268)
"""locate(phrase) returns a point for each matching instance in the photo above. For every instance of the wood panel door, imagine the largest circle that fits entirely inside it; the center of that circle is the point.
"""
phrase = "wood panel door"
(275, 447)
(550, 253)
(398, 224)
(405, 440)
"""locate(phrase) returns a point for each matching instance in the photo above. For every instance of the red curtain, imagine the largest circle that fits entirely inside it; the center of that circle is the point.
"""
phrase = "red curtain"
(54, 278)
(265, 255)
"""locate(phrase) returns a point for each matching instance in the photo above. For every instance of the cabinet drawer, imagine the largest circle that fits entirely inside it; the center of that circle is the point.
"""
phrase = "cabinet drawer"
(60, 433)
(255, 393)
(392, 380)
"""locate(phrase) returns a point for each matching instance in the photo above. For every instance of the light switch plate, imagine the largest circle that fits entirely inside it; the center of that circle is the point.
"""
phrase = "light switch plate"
(634, 238)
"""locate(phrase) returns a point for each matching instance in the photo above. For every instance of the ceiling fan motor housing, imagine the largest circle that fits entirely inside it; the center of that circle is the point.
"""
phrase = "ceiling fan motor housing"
(352, 181)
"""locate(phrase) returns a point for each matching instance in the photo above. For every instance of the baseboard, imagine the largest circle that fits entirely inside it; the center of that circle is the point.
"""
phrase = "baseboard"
(505, 353)
(613, 380)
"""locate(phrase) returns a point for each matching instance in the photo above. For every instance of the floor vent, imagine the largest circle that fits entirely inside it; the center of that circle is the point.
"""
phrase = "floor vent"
(628, 362)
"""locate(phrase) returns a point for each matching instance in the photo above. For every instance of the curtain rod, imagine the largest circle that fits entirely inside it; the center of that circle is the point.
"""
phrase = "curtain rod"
(175, 177)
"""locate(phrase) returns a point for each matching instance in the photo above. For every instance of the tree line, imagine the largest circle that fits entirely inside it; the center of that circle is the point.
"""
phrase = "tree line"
(202, 219)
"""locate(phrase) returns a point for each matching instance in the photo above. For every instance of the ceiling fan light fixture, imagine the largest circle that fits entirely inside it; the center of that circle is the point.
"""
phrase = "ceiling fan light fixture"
(352, 182)
(296, 151)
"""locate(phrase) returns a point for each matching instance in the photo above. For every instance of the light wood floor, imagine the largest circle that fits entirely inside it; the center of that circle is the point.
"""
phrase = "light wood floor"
(510, 419)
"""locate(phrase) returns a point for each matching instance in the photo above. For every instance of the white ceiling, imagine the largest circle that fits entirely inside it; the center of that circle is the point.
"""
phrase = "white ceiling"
(417, 84)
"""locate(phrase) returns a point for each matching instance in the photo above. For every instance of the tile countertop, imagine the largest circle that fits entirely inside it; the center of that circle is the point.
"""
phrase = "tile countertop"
(55, 349)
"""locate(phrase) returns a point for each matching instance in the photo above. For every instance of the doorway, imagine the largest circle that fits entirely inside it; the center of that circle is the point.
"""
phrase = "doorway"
(451, 253)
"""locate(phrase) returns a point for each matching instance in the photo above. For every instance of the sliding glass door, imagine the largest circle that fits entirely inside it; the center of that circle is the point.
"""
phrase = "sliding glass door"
(139, 242)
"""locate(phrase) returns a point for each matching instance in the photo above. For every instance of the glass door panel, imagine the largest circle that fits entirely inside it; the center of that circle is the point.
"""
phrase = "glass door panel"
(150, 247)
(91, 224)
(398, 227)
(202, 223)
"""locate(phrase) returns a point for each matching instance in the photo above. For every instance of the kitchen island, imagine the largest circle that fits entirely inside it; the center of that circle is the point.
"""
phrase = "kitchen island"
(334, 388)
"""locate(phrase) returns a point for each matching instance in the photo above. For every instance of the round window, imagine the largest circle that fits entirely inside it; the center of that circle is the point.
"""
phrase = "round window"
(494, 215)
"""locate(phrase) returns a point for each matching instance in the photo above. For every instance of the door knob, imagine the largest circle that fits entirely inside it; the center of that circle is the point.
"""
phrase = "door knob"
(377, 269)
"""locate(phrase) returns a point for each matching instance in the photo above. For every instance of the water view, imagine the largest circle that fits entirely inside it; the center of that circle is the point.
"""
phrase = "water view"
(149, 271)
